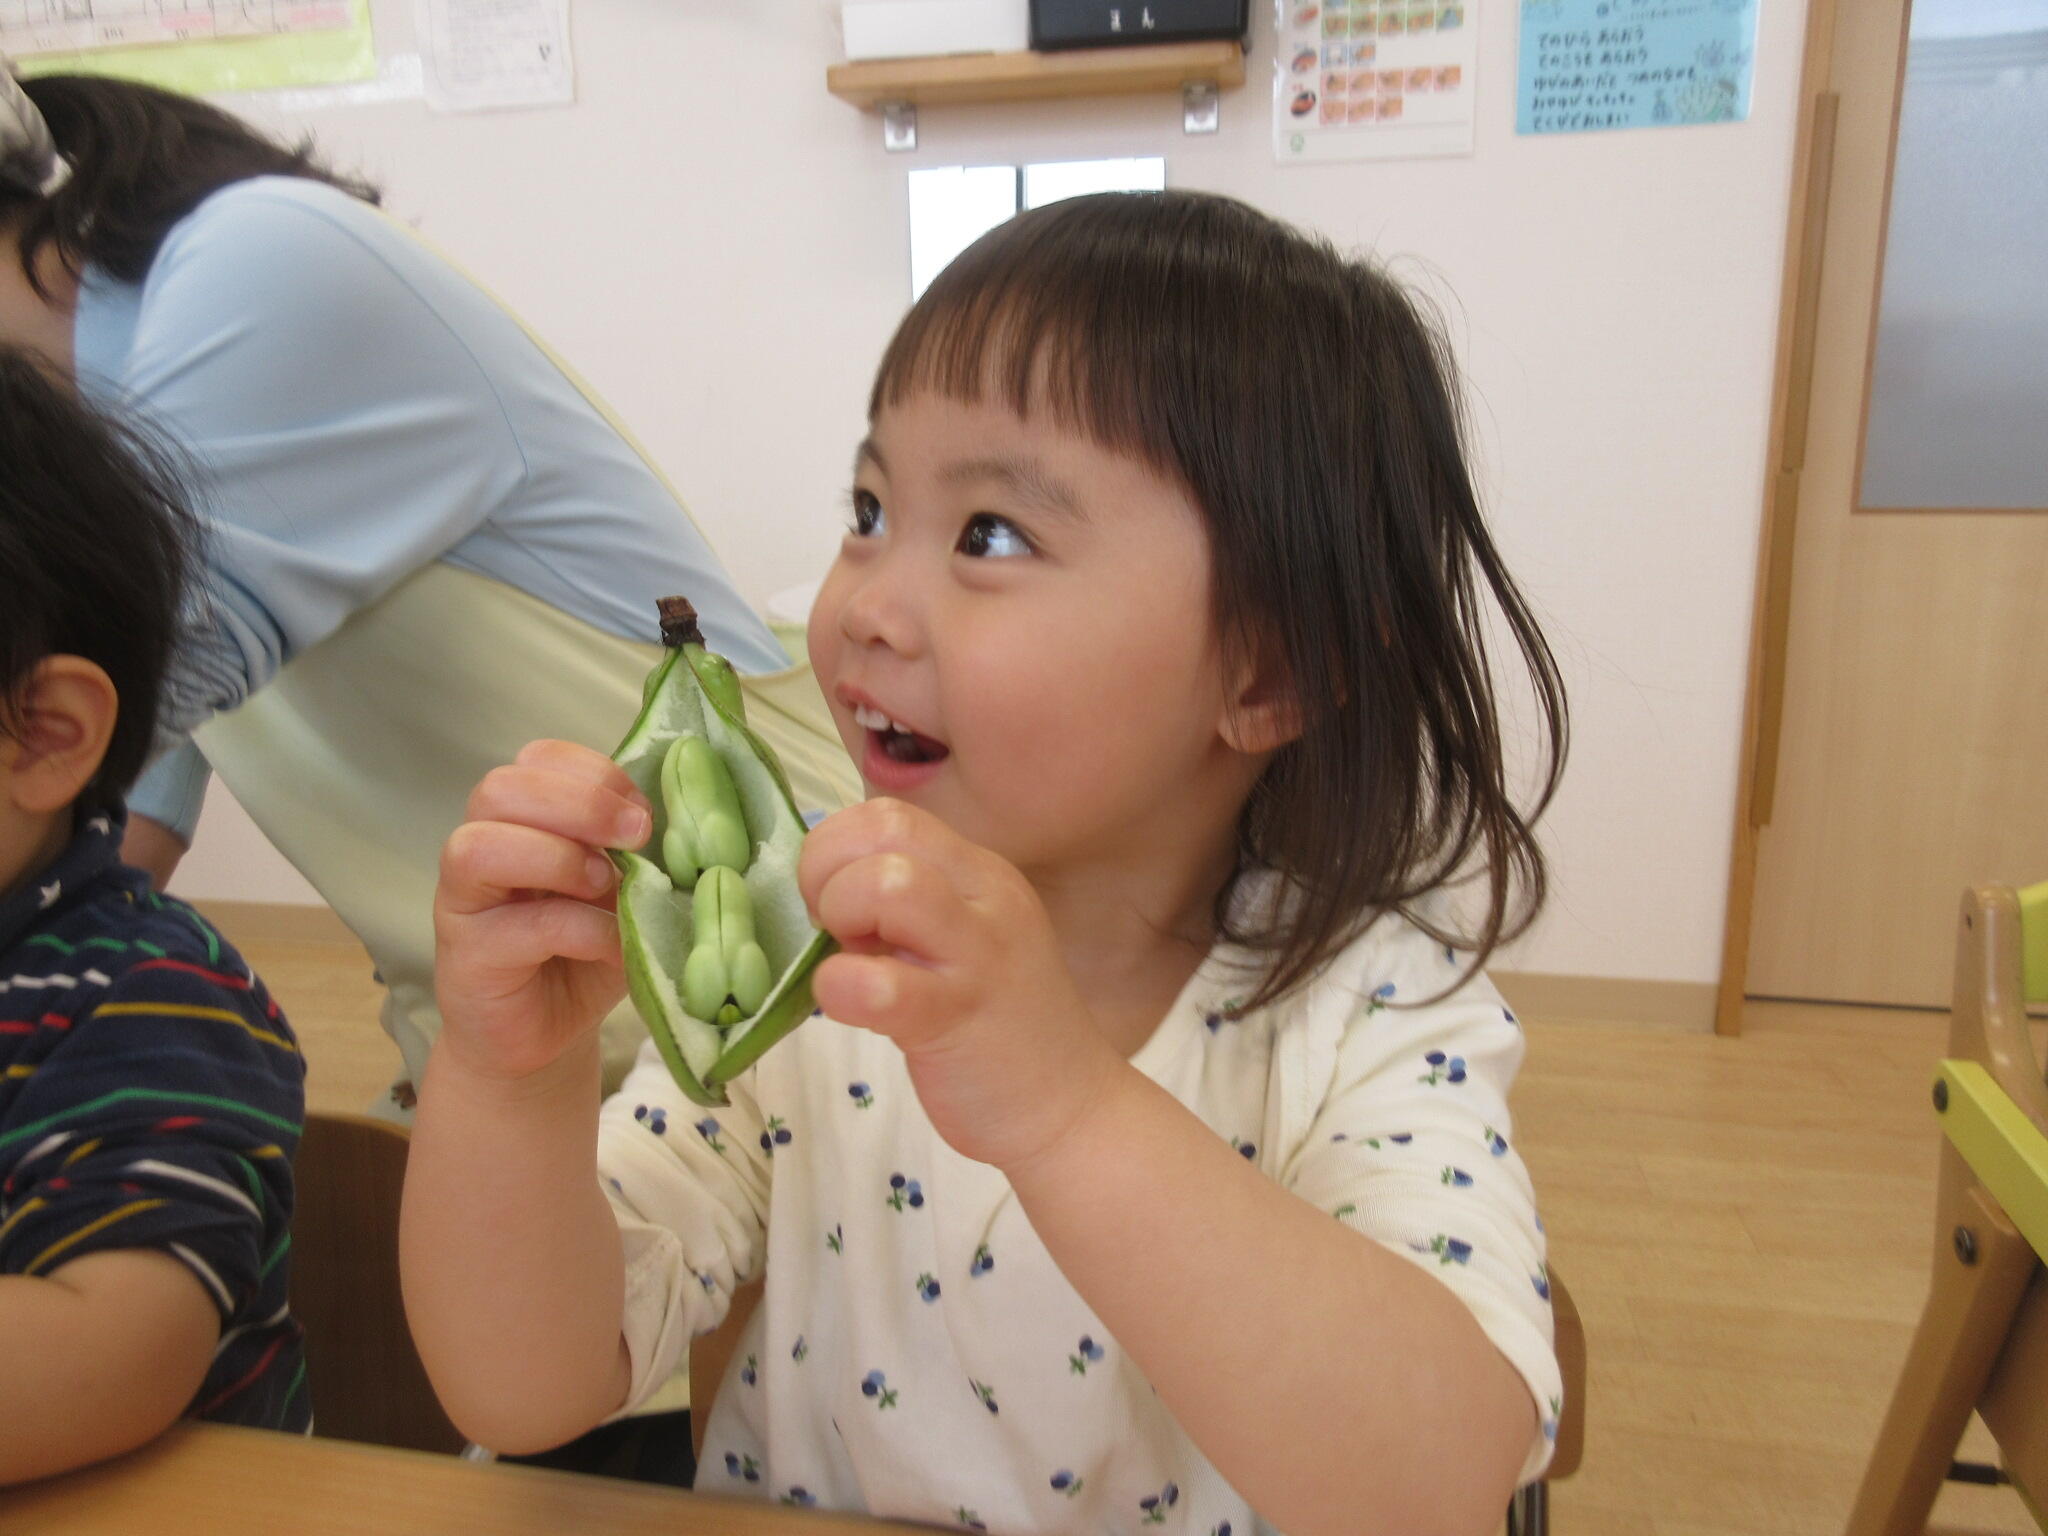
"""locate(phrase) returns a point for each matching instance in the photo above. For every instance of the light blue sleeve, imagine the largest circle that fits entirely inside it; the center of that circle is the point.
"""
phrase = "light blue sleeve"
(172, 790)
(340, 434)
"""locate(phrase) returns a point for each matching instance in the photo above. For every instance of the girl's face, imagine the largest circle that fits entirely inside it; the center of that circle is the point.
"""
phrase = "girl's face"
(1016, 637)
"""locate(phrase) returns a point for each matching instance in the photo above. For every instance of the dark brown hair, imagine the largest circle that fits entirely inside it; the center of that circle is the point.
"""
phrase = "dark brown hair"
(97, 546)
(1311, 412)
(141, 160)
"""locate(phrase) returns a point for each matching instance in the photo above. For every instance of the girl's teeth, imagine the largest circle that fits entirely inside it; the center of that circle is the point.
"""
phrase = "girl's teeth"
(874, 720)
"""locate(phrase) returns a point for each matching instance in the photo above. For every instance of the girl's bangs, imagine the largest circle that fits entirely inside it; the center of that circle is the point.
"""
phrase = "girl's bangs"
(1009, 325)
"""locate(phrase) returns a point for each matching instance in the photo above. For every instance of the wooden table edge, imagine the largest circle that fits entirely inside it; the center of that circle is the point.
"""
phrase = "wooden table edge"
(223, 1480)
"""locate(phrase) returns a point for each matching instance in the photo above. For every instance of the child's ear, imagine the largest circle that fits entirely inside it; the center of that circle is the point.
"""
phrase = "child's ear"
(1263, 712)
(62, 723)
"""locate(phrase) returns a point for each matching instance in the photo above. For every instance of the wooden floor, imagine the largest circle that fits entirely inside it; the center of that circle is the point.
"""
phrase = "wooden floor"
(1746, 1225)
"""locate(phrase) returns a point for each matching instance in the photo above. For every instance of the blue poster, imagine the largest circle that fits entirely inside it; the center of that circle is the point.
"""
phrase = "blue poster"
(1593, 64)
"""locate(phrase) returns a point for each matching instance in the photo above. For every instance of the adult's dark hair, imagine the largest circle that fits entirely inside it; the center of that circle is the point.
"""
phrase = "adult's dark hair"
(141, 159)
(1312, 414)
(96, 548)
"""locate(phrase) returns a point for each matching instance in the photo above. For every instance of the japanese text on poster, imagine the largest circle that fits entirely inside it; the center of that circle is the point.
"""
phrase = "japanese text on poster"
(1593, 64)
(482, 54)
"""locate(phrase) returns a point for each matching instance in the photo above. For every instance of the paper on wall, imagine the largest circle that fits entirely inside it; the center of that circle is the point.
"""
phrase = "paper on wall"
(29, 27)
(1594, 64)
(1373, 79)
(482, 54)
(196, 46)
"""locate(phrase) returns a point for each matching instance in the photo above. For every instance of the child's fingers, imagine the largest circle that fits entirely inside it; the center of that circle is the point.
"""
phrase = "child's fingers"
(901, 901)
(580, 762)
(521, 937)
(908, 1003)
(563, 801)
(486, 864)
(884, 826)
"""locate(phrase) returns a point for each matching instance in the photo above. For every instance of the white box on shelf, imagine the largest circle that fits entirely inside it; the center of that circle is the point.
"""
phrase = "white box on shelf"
(900, 29)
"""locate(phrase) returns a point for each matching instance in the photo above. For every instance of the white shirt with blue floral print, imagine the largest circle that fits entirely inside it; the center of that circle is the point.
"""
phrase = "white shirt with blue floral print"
(917, 1353)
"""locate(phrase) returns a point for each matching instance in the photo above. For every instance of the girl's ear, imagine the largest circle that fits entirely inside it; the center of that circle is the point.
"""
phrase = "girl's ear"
(1263, 711)
(63, 720)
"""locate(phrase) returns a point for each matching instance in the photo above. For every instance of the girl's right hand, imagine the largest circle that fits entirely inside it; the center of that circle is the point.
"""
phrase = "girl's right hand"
(526, 937)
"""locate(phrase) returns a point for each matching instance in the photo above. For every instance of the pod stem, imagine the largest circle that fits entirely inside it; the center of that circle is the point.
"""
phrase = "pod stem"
(679, 625)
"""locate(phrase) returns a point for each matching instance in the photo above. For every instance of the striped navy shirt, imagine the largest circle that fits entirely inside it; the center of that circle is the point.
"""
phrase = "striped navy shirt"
(151, 1096)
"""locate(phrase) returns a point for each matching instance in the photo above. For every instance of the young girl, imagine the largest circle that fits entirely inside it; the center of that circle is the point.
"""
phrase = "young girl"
(1149, 1166)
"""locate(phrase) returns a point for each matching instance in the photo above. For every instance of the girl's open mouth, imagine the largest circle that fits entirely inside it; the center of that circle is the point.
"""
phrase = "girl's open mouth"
(897, 741)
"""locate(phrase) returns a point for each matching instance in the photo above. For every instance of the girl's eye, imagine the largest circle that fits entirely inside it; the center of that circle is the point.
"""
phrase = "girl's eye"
(867, 514)
(987, 536)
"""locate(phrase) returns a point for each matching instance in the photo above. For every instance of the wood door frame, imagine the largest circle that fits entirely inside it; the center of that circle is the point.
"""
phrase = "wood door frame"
(1791, 395)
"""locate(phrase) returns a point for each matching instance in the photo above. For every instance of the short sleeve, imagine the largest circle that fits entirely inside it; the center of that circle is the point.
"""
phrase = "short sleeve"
(341, 434)
(690, 1188)
(166, 1120)
(172, 790)
(1412, 1147)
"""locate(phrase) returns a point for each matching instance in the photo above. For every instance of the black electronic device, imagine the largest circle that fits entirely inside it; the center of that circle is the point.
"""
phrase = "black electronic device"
(1109, 23)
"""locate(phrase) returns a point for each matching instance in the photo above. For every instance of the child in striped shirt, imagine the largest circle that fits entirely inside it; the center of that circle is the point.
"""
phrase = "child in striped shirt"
(150, 1091)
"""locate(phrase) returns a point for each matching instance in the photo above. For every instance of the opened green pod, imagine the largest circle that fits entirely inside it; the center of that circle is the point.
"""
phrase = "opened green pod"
(692, 693)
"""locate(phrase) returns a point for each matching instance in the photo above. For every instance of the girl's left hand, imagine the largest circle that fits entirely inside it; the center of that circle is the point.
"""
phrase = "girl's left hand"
(947, 950)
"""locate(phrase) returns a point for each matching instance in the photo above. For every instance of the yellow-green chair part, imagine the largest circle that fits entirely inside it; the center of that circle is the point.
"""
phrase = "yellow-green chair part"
(1982, 1343)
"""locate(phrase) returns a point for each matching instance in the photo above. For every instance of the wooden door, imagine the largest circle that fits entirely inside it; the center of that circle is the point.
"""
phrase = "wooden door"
(1899, 714)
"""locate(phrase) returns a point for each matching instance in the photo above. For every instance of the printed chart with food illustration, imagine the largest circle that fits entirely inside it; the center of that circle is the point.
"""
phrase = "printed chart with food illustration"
(1373, 79)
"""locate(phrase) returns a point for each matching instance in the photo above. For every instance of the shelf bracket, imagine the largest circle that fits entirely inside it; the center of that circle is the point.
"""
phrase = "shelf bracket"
(1200, 107)
(899, 126)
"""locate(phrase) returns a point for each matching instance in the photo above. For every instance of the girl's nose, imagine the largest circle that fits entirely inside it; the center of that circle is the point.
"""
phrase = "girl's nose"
(877, 608)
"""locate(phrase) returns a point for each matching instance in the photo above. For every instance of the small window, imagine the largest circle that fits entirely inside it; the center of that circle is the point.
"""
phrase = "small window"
(1050, 182)
(952, 206)
(1957, 391)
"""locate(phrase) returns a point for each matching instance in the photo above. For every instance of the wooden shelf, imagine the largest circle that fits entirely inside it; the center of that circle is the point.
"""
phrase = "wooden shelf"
(874, 83)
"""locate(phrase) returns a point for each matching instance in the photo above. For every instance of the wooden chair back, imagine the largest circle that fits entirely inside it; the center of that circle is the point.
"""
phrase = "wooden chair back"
(366, 1378)
(1982, 1343)
(1571, 1362)
(709, 1357)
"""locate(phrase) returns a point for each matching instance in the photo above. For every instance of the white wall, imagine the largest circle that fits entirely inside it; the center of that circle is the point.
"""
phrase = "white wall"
(720, 246)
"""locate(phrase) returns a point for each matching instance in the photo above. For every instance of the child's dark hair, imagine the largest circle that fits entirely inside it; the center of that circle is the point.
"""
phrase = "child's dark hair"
(141, 160)
(1312, 414)
(95, 549)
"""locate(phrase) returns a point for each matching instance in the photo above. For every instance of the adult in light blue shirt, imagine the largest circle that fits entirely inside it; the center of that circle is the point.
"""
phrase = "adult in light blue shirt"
(421, 525)
(358, 408)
